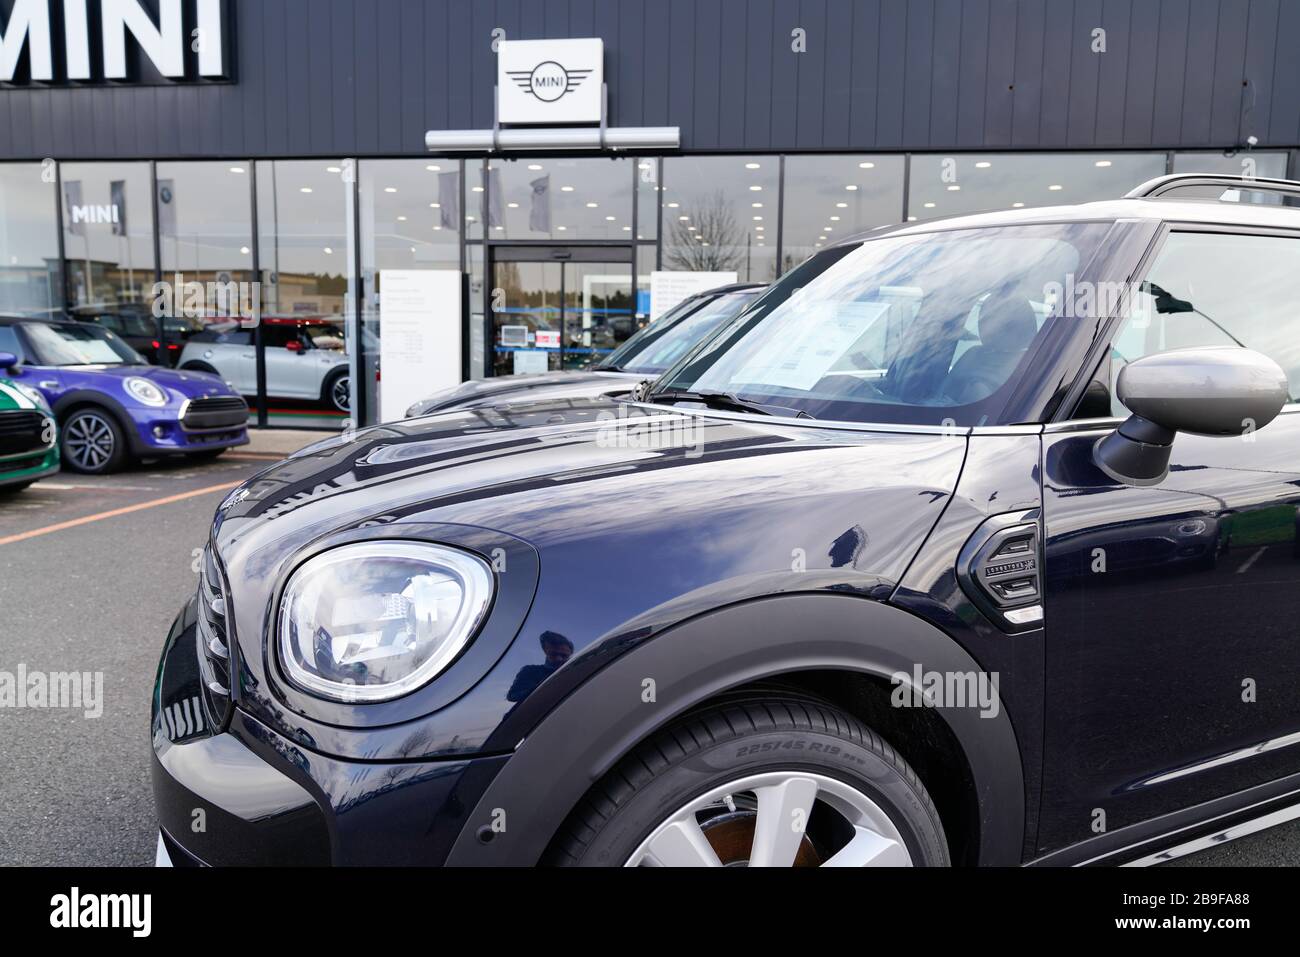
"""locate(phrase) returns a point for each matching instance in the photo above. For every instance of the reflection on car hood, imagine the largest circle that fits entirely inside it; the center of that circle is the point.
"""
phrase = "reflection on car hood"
(630, 479)
(514, 388)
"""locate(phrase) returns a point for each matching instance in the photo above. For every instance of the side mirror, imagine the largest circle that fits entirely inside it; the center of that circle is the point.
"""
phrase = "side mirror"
(7, 361)
(293, 345)
(1219, 391)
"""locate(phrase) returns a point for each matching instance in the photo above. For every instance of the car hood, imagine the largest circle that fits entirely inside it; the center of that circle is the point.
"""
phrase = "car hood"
(515, 388)
(11, 399)
(189, 383)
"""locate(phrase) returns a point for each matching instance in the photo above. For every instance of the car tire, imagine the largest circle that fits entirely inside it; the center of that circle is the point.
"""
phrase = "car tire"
(91, 442)
(335, 392)
(13, 489)
(714, 775)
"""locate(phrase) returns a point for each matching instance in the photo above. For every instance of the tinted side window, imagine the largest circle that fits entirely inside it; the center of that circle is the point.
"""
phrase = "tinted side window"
(1211, 289)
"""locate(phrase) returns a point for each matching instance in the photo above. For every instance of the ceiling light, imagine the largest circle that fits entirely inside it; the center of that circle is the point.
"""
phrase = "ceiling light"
(842, 205)
(835, 219)
(911, 219)
(751, 166)
(1055, 186)
(434, 168)
(1016, 205)
(243, 250)
(566, 189)
(236, 169)
(401, 219)
(983, 164)
(305, 189)
(628, 229)
(954, 188)
(1102, 163)
(929, 205)
(512, 205)
(333, 169)
(756, 205)
(435, 205)
(866, 166)
(610, 218)
(683, 218)
(328, 251)
(561, 228)
(758, 218)
(592, 205)
(850, 187)
(534, 166)
(673, 205)
(756, 189)
(390, 189)
(476, 189)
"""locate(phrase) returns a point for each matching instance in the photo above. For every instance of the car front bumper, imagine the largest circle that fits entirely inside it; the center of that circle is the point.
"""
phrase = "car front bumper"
(21, 469)
(249, 796)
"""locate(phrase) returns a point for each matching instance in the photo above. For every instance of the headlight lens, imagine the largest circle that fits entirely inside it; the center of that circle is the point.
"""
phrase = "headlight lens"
(142, 390)
(35, 395)
(376, 620)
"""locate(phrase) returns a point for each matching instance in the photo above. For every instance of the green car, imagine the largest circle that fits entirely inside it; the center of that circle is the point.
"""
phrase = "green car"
(29, 447)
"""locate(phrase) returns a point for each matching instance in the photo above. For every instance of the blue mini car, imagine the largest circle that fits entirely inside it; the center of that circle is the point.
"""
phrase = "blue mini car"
(111, 405)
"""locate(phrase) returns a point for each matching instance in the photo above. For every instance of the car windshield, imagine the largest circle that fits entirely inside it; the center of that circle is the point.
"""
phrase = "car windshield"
(663, 342)
(325, 337)
(922, 329)
(78, 345)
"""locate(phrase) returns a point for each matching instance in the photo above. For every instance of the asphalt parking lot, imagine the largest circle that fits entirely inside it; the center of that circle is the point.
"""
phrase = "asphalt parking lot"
(92, 571)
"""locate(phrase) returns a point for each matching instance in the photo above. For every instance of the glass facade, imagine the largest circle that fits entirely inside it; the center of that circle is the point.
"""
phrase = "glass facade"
(554, 256)
(827, 198)
(31, 276)
(971, 182)
(720, 215)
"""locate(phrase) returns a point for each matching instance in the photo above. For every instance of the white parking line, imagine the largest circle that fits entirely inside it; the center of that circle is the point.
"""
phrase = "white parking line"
(1245, 566)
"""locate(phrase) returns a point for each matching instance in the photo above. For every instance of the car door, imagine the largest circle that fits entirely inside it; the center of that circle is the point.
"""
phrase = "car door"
(1173, 610)
(288, 370)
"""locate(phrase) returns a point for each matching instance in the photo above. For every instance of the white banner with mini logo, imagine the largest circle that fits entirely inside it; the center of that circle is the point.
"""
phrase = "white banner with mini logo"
(550, 81)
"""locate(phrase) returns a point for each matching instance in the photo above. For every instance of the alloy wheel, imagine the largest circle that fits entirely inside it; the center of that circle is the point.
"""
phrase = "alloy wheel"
(341, 393)
(776, 819)
(89, 441)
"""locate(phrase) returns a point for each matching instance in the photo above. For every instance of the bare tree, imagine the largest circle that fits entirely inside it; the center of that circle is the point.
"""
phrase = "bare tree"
(708, 240)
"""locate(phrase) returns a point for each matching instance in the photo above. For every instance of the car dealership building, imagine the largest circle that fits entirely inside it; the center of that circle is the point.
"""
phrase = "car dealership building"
(411, 186)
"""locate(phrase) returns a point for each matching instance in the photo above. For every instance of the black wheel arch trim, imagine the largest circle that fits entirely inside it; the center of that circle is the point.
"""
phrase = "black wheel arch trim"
(585, 735)
(82, 398)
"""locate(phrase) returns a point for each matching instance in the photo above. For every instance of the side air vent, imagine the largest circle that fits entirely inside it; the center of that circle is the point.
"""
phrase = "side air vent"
(1000, 570)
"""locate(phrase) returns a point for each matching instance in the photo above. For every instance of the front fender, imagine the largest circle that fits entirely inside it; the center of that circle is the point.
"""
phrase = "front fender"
(586, 734)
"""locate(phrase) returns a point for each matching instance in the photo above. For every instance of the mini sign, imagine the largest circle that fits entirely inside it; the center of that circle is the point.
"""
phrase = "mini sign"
(550, 81)
(108, 39)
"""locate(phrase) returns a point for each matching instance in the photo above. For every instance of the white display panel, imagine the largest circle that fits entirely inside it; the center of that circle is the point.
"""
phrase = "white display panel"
(420, 336)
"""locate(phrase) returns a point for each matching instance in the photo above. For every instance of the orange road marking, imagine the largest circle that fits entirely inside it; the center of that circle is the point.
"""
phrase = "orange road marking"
(113, 513)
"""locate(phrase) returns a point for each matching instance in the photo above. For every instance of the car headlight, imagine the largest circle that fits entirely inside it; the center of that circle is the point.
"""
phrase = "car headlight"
(376, 620)
(145, 392)
(34, 395)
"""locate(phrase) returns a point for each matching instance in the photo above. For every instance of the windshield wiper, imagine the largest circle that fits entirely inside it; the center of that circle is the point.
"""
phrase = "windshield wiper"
(726, 401)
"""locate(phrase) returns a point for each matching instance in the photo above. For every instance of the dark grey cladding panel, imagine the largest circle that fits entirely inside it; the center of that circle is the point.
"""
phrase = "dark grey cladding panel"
(368, 77)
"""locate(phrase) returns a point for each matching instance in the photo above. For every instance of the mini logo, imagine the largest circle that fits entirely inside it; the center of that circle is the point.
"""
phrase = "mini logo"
(548, 81)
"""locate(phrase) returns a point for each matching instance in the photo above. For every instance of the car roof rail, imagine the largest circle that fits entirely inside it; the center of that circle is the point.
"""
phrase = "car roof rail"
(1163, 185)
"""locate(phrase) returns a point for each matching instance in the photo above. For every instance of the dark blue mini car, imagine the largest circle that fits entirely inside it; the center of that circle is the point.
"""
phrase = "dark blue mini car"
(112, 406)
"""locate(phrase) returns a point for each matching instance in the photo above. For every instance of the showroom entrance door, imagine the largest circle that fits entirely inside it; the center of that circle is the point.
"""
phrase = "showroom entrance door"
(558, 307)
